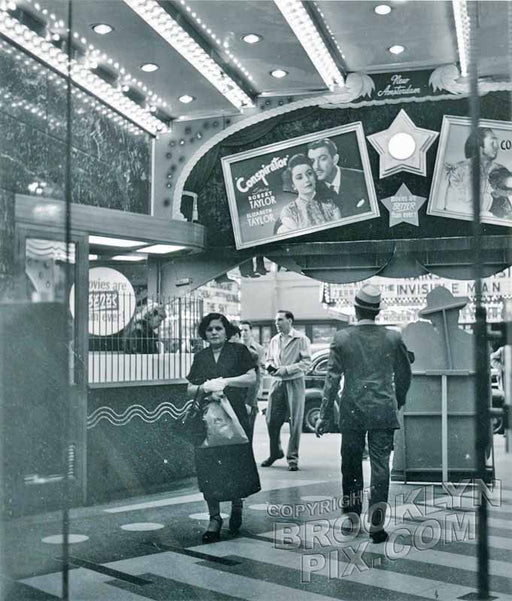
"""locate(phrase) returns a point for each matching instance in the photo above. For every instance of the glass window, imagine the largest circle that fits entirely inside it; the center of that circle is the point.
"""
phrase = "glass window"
(256, 333)
(45, 280)
(323, 333)
(266, 335)
(45, 269)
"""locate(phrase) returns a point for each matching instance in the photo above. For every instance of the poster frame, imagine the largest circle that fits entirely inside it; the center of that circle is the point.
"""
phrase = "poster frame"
(230, 160)
(440, 180)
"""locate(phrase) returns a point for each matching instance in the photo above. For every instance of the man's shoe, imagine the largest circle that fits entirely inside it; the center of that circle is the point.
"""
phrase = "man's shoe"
(380, 536)
(270, 460)
(293, 468)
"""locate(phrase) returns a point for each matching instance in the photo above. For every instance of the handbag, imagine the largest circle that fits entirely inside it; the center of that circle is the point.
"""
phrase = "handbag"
(222, 425)
(191, 425)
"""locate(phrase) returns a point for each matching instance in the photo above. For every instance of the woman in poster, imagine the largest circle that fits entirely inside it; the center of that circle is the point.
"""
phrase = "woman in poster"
(458, 175)
(312, 207)
(224, 473)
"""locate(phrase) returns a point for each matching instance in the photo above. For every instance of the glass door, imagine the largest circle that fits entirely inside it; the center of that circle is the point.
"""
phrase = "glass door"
(53, 295)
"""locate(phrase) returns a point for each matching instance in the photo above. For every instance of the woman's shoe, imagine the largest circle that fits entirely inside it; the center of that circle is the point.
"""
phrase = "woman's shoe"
(235, 519)
(212, 533)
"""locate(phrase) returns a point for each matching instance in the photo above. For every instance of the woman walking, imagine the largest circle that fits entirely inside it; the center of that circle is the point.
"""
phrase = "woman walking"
(224, 473)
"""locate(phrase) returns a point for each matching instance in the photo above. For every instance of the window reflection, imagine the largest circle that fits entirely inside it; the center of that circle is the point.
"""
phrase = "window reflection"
(45, 270)
(45, 279)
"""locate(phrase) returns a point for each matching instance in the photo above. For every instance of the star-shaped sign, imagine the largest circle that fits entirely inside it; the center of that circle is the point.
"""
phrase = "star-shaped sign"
(403, 146)
(403, 207)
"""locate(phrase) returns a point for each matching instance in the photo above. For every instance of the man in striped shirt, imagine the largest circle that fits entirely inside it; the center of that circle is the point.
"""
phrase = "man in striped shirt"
(288, 357)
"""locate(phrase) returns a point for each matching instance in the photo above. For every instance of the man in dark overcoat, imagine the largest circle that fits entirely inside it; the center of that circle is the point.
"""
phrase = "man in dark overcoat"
(375, 363)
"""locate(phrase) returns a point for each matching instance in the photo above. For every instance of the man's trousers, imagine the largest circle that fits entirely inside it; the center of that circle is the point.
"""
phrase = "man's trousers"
(380, 444)
(286, 398)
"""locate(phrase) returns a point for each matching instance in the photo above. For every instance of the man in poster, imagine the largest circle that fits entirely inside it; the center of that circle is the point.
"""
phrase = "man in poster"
(346, 186)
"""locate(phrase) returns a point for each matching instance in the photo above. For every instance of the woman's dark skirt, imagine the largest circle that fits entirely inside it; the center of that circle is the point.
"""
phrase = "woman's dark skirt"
(228, 472)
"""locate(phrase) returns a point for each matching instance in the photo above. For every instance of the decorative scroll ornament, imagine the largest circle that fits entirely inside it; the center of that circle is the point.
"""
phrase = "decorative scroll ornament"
(403, 207)
(448, 78)
(357, 85)
(410, 156)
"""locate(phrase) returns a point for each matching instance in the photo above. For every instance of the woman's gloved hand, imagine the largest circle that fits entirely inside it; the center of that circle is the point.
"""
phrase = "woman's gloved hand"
(215, 385)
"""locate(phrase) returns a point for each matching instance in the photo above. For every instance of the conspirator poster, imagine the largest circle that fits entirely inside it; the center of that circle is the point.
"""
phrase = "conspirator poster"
(298, 186)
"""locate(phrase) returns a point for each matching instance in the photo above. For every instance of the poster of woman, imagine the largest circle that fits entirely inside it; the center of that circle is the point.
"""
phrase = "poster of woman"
(299, 186)
(451, 193)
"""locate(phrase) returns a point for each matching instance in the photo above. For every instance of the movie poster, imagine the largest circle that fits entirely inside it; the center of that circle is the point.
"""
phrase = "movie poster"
(303, 185)
(451, 191)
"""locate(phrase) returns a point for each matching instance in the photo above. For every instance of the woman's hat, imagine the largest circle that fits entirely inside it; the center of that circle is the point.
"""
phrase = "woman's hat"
(441, 299)
(368, 297)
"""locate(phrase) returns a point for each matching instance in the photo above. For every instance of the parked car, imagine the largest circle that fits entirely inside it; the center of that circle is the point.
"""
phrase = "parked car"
(315, 378)
(498, 400)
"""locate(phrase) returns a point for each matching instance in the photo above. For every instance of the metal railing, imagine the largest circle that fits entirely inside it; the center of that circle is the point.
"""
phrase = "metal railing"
(139, 342)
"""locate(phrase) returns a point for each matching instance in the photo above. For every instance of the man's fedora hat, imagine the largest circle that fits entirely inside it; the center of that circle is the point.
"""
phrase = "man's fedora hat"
(368, 297)
(441, 299)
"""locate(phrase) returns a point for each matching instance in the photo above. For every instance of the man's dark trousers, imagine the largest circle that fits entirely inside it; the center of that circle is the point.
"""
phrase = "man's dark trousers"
(380, 443)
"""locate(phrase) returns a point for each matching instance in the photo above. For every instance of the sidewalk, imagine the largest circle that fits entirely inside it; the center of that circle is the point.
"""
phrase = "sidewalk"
(289, 546)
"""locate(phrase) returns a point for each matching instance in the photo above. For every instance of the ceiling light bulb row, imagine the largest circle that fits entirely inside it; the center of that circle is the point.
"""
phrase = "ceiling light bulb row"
(57, 81)
(94, 56)
(462, 28)
(155, 16)
(105, 111)
(216, 39)
(7, 5)
(329, 30)
(307, 34)
(57, 59)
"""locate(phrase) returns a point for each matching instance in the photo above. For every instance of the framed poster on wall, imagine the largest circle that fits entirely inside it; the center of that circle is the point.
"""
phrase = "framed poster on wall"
(298, 186)
(450, 194)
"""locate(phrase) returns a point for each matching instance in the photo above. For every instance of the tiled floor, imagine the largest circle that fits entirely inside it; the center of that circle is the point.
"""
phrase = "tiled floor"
(290, 546)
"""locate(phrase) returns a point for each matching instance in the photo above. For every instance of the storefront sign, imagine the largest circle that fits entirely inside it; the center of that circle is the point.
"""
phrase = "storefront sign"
(111, 301)
(404, 297)
(403, 207)
(300, 186)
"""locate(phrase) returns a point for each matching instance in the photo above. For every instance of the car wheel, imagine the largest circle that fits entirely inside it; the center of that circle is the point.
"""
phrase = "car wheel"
(311, 415)
(497, 424)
